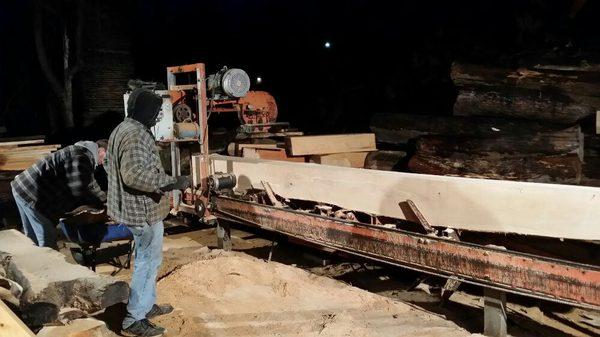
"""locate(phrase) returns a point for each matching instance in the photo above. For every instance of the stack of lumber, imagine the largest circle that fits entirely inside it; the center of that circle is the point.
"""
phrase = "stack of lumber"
(348, 150)
(18, 155)
(510, 124)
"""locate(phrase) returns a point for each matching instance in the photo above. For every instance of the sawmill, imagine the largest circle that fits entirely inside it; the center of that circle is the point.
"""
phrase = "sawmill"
(294, 174)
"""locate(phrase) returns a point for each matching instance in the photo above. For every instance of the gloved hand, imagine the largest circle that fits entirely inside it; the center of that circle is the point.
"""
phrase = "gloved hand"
(182, 183)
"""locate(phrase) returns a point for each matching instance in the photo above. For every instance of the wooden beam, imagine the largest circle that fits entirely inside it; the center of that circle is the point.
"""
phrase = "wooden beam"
(22, 142)
(270, 154)
(11, 325)
(560, 211)
(348, 159)
(312, 145)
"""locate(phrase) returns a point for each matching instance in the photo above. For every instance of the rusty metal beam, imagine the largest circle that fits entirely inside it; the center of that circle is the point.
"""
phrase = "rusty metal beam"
(525, 274)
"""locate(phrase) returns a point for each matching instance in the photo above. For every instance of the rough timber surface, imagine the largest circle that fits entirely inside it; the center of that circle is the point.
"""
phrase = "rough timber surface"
(559, 211)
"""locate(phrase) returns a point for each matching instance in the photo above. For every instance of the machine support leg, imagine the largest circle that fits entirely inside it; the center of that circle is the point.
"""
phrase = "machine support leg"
(494, 312)
(223, 236)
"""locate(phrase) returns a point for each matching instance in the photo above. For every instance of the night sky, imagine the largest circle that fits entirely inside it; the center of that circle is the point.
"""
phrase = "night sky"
(384, 56)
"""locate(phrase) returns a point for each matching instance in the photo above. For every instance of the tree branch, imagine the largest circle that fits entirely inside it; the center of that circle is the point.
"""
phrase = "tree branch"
(78, 39)
(41, 53)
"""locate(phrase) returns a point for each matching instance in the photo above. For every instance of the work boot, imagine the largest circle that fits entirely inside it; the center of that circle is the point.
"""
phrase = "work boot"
(159, 310)
(143, 328)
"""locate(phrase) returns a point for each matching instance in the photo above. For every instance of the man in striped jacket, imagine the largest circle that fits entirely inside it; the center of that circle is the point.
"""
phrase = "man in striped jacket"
(137, 184)
(57, 184)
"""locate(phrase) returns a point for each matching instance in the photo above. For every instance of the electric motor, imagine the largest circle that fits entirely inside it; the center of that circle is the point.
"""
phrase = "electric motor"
(228, 83)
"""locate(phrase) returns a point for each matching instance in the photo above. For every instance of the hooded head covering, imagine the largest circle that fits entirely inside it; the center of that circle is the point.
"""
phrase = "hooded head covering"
(144, 105)
(92, 147)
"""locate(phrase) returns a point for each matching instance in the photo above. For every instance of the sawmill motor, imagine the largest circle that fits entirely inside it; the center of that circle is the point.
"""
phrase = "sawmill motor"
(228, 84)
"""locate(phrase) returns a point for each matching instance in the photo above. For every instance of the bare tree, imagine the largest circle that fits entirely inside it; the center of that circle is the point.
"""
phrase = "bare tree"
(61, 84)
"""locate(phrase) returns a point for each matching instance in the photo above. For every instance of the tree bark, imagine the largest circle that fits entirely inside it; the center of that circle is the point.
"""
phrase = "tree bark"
(384, 160)
(495, 102)
(565, 141)
(545, 169)
(400, 128)
(578, 86)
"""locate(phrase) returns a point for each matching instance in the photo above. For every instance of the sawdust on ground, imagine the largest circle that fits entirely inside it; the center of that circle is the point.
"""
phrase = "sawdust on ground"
(233, 294)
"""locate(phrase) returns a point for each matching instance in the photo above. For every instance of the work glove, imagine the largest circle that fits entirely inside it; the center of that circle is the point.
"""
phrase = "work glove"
(182, 183)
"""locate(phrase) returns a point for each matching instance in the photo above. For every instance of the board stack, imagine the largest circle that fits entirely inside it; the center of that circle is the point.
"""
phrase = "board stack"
(348, 150)
(18, 154)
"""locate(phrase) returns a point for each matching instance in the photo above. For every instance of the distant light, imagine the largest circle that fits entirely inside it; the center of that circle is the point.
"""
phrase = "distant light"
(259, 80)
(327, 44)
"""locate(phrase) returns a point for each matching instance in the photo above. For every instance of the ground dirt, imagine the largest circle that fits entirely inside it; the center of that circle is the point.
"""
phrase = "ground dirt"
(234, 294)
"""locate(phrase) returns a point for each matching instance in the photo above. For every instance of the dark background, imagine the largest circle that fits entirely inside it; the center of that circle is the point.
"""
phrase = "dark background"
(385, 56)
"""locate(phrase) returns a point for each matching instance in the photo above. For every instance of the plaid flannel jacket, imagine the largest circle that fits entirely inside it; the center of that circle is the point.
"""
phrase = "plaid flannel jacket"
(60, 182)
(135, 175)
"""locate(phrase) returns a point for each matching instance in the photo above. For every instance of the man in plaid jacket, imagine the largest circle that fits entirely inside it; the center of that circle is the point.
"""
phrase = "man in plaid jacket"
(137, 185)
(57, 184)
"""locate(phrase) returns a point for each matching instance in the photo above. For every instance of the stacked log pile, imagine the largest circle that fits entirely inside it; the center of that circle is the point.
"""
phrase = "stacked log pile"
(521, 124)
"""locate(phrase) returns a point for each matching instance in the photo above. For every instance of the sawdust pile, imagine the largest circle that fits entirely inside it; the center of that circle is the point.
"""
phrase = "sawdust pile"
(232, 294)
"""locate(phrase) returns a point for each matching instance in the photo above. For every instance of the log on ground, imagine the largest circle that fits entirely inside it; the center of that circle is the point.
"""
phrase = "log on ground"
(494, 102)
(401, 128)
(579, 86)
(384, 160)
(569, 140)
(545, 169)
(46, 277)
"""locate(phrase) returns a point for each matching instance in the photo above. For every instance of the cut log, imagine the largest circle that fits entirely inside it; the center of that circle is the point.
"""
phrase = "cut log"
(551, 169)
(270, 154)
(46, 277)
(533, 106)
(560, 211)
(566, 141)
(327, 144)
(401, 128)
(349, 159)
(384, 160)
(579, 87)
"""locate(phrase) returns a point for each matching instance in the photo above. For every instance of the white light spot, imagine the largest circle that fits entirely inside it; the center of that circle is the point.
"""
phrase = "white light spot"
(259, 80)
(327, 44)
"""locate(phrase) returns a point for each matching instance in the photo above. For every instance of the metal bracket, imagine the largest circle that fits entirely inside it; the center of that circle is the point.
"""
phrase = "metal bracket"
(494, 312)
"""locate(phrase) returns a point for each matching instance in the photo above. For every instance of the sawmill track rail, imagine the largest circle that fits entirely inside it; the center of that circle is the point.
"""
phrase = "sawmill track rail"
(492, 267)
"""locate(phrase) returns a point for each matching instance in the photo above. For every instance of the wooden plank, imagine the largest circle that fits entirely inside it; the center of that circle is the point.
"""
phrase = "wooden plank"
(349, 159)
(327, 144)
(560, 211)
(11, 325)
(47, 148)
(270, 154)
(22, 142)
(240, 147)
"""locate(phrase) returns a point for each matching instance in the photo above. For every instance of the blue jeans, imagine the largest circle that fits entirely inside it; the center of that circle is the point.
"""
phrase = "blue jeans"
(36, 226)
(148, 257)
